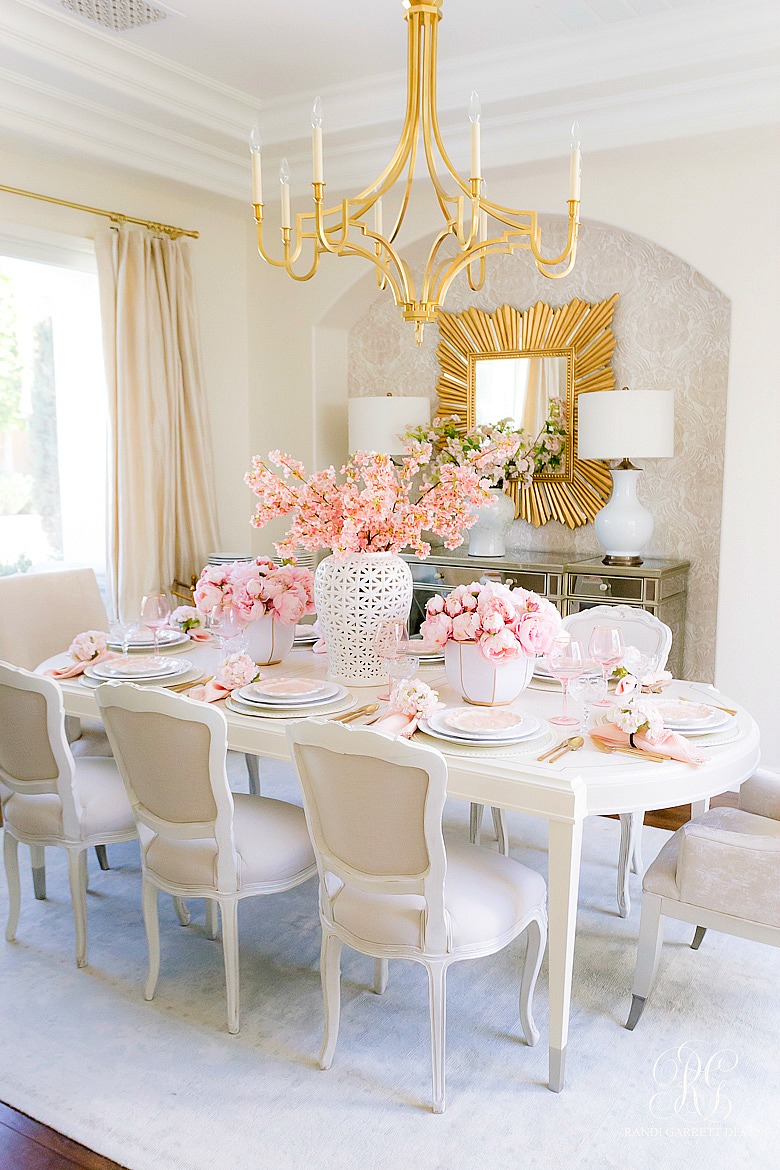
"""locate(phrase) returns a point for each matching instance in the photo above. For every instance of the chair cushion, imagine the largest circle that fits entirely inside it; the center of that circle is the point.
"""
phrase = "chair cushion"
(105, 809)
(486, 896)
(272, 842)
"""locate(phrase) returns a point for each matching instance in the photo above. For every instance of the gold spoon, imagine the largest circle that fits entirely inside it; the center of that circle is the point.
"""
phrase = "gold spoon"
(572, 744)
(347, 717)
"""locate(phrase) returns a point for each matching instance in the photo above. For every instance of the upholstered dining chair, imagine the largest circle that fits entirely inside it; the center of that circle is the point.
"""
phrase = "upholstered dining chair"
(654, 639)
(388, 886)
(40, 615)
(720, 871)
(51, 798)
(198, 839)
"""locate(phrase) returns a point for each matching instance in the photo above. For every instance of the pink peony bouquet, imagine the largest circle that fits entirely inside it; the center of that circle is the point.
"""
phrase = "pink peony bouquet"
(88, 645)
(504, 622)
(377, 506)
(414, 698)
(252, 589)
(237, 670)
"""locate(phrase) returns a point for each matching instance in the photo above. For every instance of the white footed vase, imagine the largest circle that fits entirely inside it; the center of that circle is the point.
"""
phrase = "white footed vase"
(269, 640)
(482, 681)
(487, 538)
(352, 593)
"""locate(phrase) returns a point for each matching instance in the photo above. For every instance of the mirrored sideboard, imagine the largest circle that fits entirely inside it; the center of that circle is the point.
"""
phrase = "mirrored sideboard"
(658, 586)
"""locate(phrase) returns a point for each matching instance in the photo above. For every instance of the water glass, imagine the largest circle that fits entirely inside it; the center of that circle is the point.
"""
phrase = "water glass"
(229, 630)
(588, 691)
(155, 612)
(402, 670)
(122, 631)
(389, 641)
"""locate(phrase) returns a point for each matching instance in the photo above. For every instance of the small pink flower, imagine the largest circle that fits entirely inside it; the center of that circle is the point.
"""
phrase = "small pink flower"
(435, 605)
(437, 630)
(627, 685)
(466, 627)
(499, 647)
(238, 670)
(88, 645)
(453, 605)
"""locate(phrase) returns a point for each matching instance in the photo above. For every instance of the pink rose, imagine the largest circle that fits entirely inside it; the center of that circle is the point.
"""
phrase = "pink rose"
(536, 630)
(435, 605)
(499, 647)
(436, 630)
(466, 627)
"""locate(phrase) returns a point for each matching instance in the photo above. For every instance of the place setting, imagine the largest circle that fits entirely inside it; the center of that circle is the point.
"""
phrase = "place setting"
(289, 698)
(147, 670)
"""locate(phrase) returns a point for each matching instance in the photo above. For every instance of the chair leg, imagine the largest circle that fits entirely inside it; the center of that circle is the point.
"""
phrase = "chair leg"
(380, 975)
(698, 937)
(624, 863)
(150, 901)
(78, 893)
(230, 952)
(253, 768)
(212, 917)
(651, 937)
(102, 856)
(637, 865)
(437, 1001)
(500, 829)
(11, 861)
(537, 941)
(38, 860)
(330, 975)
(182, 911)
(475, 823)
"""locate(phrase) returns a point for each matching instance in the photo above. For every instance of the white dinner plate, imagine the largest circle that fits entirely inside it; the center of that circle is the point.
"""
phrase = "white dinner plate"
(335, 706)
(481, 722)
(134, 669)
(425, 653)
(286, 689)
(531, 727)
(146, 642)
(189, 676)
(329, 692)
(304, 636)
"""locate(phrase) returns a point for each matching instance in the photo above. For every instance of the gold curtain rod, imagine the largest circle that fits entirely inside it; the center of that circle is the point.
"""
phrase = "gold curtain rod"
(116, 217)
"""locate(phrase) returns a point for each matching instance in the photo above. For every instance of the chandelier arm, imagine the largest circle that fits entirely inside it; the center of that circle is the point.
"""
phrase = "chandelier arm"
(464, 186)
(289, 260)
(403, 293)
(476, 285)
(260, 247)
(571, 240)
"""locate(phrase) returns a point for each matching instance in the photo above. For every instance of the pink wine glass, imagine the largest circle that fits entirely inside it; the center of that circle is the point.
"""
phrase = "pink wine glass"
(606, 647)
(155, 612)
(565, 662)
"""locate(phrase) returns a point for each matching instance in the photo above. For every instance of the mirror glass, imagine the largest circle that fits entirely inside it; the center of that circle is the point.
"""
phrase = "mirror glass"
(519, 388)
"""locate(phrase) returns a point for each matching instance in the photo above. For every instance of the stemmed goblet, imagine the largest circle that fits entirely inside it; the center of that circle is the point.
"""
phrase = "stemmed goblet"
(565, 662)
(389, 641)
(606, 647)
(155, 612)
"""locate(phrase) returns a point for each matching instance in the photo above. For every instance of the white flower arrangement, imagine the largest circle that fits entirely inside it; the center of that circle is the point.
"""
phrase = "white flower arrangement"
(637, 714)
(415, 699)
(186, 618)
(88, 645)
(237, 670)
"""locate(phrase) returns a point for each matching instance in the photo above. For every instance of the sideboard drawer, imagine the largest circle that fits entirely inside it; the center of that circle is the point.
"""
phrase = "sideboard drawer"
(605, 587)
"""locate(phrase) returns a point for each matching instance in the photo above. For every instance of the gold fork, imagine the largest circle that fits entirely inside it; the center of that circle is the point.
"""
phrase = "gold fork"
(610, 749)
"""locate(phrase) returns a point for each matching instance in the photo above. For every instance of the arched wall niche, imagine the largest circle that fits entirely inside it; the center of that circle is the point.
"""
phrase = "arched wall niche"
(672, 331)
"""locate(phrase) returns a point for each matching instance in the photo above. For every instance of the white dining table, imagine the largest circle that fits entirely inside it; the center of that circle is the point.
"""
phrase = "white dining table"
(582, 784)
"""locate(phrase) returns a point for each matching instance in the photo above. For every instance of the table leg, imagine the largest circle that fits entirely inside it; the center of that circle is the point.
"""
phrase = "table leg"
(700, 807)
(564, 851)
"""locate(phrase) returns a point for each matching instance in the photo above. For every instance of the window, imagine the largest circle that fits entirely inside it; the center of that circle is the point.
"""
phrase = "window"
(53, 410)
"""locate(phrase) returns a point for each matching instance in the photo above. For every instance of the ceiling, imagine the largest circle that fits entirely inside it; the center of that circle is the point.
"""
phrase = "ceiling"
(177, 97)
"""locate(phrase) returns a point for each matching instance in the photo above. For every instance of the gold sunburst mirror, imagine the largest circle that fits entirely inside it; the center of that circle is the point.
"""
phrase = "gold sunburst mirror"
(531, 366)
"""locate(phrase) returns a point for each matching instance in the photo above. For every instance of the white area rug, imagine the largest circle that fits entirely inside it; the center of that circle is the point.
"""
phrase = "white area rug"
(162, 1086)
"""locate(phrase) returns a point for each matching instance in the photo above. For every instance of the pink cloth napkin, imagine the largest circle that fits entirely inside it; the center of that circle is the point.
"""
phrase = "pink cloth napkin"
(397, 724)
(211, 692)
(672, 745)
(200, 635)
(319, 647)
(78, 668)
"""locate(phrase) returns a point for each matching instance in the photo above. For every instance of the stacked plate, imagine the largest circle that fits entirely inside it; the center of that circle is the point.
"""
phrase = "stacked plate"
(144, 642)
(305, 636)
(691, 718)
(290, 698)
(426, 654)
(489, 727)
(155, 672)
(226, 559)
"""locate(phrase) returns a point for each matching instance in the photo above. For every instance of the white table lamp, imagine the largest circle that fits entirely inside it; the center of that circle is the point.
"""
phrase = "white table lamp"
(376, 422)
(625, 425)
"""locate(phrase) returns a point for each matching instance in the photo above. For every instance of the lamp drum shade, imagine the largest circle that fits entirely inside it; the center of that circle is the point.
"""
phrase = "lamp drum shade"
(376, 422)
(619, 424)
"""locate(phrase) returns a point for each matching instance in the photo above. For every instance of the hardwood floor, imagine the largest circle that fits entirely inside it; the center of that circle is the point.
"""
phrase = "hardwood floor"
(27, 1145)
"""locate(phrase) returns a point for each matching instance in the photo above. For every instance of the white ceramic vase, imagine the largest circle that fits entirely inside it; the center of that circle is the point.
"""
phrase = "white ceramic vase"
(353, 593)
(269, 640)
(487, 538)
(482, 682)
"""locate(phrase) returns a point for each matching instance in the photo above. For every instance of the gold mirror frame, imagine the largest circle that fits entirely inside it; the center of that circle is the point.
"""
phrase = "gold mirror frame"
(580, 329)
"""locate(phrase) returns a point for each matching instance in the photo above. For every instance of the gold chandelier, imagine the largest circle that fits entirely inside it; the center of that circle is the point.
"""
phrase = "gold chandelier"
(473, 223)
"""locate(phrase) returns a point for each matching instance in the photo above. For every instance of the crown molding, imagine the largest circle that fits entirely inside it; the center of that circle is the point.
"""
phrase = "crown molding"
(626, 83)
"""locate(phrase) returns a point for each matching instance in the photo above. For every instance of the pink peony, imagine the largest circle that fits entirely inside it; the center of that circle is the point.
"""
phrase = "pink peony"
(88, 645)
(466, 627)
(499, 647)
(434, 605)
(537, 629)
(437, 630)
(453, 605)
(492, 623)
(289, 607)
(238, 670)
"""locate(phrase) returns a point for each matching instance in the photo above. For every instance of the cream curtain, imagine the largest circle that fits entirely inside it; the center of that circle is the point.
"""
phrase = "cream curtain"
(162, 508)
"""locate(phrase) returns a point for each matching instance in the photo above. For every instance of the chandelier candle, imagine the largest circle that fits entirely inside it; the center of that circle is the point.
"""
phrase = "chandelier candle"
(316, 140)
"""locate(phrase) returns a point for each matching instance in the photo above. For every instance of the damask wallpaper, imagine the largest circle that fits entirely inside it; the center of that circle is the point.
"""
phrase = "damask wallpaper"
(672, 333)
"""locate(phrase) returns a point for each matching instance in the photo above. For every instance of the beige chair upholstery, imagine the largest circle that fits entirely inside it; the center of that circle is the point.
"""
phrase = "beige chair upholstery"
(50, 798)
(388, 887)
(721, 870)
(198, 840)
(41, 613)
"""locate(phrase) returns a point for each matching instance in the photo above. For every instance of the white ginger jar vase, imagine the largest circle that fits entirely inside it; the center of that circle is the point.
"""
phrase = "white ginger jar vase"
(487, 538)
